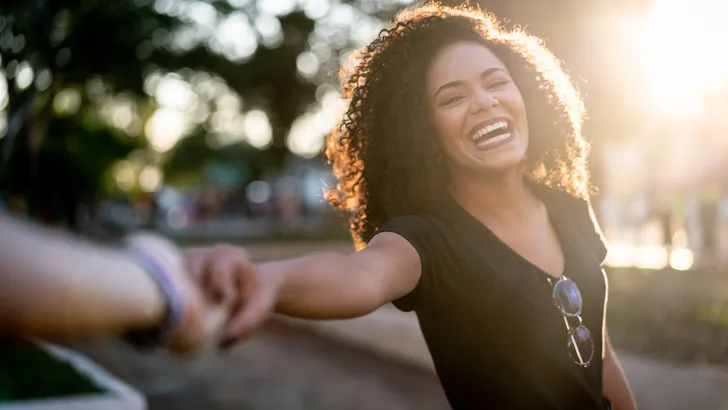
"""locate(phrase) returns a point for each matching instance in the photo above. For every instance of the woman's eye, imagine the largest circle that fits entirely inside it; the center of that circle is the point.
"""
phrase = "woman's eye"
(498, 83)
(452, 100)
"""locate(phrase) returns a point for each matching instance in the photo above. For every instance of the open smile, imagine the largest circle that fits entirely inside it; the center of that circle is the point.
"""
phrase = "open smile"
(493, 133)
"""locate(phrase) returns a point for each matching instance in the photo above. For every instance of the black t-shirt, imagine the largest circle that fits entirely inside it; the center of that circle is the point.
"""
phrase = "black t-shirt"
(496, 338)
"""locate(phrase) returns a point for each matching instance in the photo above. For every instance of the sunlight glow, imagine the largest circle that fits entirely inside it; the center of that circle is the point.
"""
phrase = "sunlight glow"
(620, 255)
(124, 175)
(235, 38)
(173, 92)
(685, 43)
(307, 64)
(315, 9)
(681, 259)
(648, 257)
(150, 179)
(651, 257)
(165, 128)
(270, 30)
(3, 124)
(3, 91)
(44, 79)
(308, 133)
(24, 76)
(67, 102)
(258, 130)
(277, 7)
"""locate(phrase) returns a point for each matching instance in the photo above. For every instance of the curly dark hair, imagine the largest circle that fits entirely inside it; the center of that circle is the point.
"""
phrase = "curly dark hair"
(384, 155)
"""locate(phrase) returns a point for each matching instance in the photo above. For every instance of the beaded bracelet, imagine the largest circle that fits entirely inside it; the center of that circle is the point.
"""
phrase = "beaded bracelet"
(161, 259)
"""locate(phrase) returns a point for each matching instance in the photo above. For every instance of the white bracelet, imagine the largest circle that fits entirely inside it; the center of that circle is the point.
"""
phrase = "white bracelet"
(161, 259)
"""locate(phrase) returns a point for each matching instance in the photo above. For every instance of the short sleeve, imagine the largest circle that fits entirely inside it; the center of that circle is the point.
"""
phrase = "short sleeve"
(418, 230)
(595, 235)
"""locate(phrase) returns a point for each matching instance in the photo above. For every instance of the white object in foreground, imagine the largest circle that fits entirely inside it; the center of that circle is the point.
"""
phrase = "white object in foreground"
(117, 395)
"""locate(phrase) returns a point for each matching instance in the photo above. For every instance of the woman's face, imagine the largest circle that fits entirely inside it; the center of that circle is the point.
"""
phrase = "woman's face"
(476, 109)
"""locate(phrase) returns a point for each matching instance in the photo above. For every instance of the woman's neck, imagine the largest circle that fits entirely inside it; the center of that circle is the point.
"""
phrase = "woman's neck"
(504, 197)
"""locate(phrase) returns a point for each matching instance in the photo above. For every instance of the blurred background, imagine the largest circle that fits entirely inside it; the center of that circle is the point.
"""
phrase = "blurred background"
(205, 120)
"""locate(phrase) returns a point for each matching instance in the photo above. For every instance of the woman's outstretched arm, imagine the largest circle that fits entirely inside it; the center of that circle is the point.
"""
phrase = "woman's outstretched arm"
(318, 286)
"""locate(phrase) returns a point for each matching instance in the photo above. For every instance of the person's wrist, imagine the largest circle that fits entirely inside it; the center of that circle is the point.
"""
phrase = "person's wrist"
(163, 263)
(151, 302)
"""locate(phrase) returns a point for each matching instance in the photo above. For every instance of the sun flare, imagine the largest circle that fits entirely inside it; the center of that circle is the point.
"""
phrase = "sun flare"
(686, 53)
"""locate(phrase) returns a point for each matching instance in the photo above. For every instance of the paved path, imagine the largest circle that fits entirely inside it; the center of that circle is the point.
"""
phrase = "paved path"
(284, 369)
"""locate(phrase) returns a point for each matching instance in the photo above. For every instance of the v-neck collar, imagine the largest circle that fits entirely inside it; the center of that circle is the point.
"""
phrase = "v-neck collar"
(549, 197)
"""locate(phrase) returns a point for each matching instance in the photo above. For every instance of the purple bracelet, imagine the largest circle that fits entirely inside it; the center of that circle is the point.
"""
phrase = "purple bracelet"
(149, 252)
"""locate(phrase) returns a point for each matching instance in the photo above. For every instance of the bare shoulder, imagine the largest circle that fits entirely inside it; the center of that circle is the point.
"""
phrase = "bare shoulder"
(393, 262)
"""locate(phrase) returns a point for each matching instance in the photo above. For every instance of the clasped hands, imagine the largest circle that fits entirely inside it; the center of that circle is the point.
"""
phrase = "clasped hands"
(222, 295)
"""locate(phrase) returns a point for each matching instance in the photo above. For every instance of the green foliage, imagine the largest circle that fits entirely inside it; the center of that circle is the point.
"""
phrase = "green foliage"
(105, 51)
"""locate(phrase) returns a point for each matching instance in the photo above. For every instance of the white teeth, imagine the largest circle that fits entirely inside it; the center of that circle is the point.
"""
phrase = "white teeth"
(490, 128)
(494, 140)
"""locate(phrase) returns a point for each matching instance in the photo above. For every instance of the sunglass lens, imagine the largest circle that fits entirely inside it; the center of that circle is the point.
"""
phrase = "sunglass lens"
(567, 297)
(581, 345)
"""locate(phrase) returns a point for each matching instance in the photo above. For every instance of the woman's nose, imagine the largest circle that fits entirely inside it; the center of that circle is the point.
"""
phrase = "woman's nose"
(483, 101)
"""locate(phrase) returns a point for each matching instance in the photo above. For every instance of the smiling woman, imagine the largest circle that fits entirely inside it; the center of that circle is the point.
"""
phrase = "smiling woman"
(465, 63)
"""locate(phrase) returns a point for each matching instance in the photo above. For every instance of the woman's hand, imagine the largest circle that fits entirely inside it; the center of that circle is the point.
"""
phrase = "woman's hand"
(227, 274)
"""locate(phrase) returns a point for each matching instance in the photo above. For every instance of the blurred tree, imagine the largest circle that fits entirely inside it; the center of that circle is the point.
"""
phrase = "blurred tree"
(90, 82)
